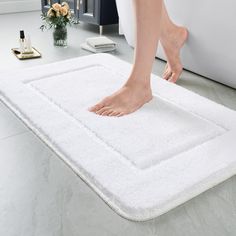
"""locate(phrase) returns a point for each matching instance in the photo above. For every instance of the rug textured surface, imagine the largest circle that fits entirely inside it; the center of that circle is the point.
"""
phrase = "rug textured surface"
(143, 164)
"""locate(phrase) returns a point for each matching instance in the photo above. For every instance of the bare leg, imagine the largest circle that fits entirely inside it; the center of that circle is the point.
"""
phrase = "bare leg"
(137, 91)
(172, 39)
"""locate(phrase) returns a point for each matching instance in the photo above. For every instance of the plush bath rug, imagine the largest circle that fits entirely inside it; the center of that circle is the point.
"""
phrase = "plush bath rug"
(143, 164)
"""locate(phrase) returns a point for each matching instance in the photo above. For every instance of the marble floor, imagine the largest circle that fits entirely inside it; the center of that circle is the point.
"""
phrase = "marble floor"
(40, 195)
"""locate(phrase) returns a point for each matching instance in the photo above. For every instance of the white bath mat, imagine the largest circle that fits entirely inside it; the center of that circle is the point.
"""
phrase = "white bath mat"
(144, 164)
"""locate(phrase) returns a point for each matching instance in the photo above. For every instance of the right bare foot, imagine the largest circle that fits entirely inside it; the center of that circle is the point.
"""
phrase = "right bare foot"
(133, 95)
(172, 43)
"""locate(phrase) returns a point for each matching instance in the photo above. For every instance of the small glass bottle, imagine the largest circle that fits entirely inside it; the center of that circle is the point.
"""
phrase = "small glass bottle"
(22, 41)
(28, 46)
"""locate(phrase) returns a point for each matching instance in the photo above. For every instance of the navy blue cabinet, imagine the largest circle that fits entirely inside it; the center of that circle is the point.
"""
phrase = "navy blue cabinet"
(99, 12)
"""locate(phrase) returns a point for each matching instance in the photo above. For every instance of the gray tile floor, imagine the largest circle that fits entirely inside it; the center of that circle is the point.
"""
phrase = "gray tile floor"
(25, 162)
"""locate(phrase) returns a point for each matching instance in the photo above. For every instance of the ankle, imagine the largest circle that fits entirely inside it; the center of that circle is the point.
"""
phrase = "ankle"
(143, 82)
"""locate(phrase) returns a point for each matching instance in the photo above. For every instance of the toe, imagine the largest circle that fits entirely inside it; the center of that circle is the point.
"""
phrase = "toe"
(100, 111)
(113, 113)
(167, 72)
(167, 75)
(107, 112)
(174, 77)
(119, 114)
(97, 107)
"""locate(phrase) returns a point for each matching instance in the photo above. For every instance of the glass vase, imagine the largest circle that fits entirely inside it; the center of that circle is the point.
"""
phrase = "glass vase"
(60, 36)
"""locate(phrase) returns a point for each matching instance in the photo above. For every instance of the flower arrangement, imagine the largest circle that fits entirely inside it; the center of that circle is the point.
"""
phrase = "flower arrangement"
(58, 15)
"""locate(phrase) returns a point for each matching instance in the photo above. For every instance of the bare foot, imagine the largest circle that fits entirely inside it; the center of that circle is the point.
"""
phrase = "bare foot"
(129, 98)
(172, 44)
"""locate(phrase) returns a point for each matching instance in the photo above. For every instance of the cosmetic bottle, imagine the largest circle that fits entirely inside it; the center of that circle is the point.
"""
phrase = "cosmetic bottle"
(28, 48)
(22, 41)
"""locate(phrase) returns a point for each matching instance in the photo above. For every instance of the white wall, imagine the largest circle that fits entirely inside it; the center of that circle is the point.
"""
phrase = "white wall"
(10, 6)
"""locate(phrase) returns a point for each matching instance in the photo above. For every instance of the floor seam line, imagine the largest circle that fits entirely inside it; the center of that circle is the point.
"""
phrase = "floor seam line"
(10, 136)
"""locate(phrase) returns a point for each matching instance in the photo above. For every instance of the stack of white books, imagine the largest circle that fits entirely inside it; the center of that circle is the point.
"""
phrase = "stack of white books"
(99, 44)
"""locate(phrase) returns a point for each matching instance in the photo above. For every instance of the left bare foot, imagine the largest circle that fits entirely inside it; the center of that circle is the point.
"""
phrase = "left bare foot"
(129, 98)
(172, 44)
